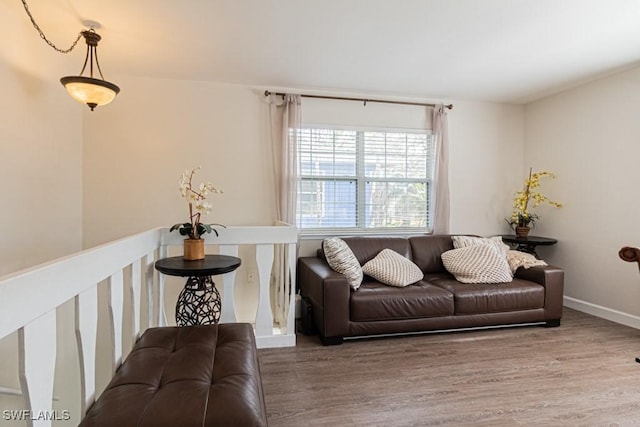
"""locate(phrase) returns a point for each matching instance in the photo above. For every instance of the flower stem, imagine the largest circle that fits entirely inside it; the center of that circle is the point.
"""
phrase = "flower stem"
(194, 229)
(527, 192)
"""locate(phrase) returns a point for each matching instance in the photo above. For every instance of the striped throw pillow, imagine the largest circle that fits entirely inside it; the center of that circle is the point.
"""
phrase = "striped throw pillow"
(391, 268)
(342, 260)
(477, 264)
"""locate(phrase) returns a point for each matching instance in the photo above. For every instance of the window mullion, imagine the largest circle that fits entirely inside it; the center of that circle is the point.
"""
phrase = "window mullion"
(361, 215)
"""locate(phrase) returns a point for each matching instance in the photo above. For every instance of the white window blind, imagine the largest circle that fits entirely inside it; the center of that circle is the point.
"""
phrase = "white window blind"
(364, 179)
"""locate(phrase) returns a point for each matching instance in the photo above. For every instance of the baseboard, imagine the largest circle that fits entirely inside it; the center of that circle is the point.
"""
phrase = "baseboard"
(603, 312)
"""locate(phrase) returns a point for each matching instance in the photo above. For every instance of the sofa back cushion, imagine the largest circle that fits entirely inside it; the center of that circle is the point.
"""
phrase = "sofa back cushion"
(366, 248)
(427, 250)
(424, 251)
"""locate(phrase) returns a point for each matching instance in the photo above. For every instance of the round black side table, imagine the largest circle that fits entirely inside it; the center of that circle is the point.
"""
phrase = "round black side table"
(528, 244)
(199, 302)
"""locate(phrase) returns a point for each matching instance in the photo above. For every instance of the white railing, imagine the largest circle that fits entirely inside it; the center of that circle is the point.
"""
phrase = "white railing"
(268, 242)
(29, 298)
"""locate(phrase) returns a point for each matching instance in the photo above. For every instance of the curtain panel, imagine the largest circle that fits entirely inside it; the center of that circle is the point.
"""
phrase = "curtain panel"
(285, 114)
(441, 202)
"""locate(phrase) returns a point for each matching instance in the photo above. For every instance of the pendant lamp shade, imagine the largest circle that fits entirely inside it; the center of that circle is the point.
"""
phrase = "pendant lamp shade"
(90, 90)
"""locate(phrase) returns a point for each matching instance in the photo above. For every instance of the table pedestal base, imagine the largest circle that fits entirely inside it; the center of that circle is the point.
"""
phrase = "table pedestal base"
(198, 303)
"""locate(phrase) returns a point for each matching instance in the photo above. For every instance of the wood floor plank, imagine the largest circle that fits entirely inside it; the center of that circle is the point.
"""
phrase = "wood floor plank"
(582, 373)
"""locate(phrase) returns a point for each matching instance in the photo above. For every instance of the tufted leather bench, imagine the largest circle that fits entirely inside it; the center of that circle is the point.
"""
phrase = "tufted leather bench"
(187, 376)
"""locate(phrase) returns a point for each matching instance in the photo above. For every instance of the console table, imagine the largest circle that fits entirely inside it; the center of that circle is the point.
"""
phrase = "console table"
(199, 302)
(528, 244)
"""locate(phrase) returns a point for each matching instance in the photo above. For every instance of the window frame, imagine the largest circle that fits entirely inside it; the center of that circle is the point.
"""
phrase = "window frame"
(361, 183)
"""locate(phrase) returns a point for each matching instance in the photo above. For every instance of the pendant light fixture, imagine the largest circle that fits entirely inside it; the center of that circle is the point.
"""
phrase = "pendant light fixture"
(89, 90)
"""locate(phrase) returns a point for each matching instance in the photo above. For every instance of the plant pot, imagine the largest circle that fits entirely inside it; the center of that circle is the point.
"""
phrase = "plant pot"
(522, 231)
(193, 249)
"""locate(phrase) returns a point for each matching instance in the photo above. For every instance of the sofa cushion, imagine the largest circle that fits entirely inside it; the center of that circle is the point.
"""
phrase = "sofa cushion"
(481, 298)
(477, 264)
(466, 241)
(426, 251)
(391, 268)
(375, 301)
(341, 259)
(366, 248)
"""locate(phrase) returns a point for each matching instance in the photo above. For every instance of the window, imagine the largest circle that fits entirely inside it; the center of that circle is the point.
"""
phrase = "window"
(360, 180)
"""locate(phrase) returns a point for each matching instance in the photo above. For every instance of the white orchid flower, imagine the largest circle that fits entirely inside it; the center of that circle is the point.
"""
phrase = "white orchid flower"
(196, 200)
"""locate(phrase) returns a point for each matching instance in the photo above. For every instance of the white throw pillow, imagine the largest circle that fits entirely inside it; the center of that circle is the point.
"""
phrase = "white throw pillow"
(517, 259)
(340, 258)
(391, 268)
(466, 241)
(477, 264)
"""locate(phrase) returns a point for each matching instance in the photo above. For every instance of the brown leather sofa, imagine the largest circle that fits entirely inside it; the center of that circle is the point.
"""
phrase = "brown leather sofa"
(186, 376)
(438, 302)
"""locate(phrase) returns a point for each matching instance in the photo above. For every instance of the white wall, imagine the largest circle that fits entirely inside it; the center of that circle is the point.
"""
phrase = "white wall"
(134, 154)
(40, 150)
(40, 177)
(590, 137)
(486, 167)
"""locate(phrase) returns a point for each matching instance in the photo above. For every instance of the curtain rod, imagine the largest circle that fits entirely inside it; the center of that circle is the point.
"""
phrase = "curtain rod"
(365, 100)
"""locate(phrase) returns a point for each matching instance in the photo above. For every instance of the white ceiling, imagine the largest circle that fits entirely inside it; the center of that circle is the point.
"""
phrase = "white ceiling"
(493, 50)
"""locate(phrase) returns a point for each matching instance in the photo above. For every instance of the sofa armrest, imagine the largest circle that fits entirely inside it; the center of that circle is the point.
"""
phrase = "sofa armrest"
(329, 294)
(552, 278)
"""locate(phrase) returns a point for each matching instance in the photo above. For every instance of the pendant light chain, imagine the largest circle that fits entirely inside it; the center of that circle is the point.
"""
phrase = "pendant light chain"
(88, 90)
(43, 37)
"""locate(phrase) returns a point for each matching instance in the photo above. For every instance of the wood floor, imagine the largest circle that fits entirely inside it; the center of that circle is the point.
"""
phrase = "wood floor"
(580, 374)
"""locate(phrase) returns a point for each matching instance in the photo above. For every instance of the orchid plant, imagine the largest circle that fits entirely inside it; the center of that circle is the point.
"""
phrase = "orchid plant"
(198, 206)
(529, 197)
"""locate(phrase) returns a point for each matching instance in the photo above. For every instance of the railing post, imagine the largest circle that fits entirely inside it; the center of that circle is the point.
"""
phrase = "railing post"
(136, 279)
(149, 275)
(291, 280)
(264, 315)
(37, 358)
(86, 320)
(115, 285)
(162, 315)
(228, 314)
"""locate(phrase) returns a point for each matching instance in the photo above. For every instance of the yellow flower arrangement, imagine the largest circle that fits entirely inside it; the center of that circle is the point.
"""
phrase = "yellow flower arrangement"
(521, 216)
